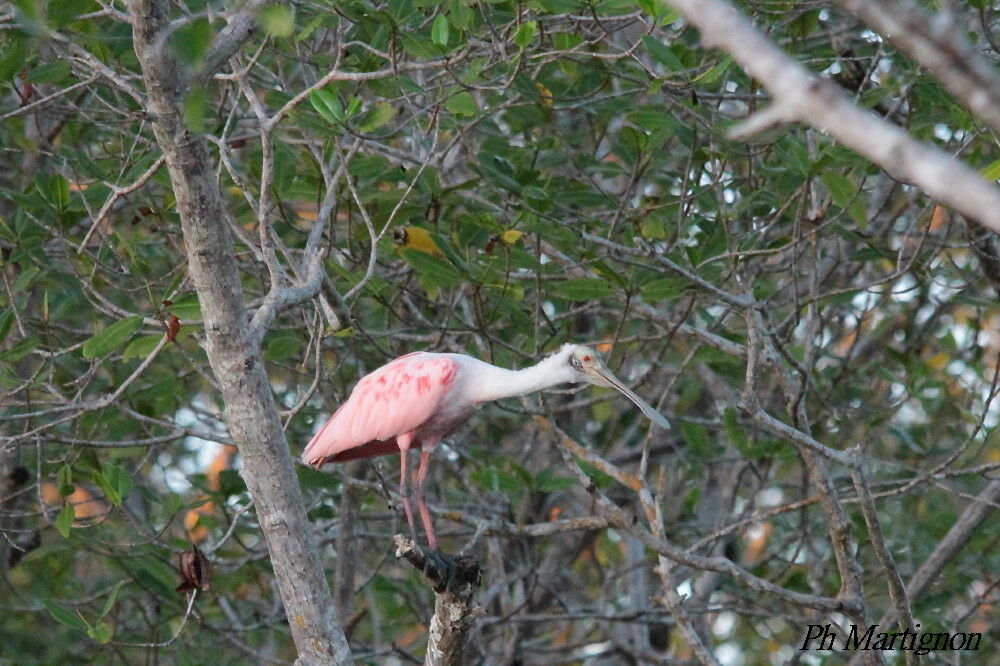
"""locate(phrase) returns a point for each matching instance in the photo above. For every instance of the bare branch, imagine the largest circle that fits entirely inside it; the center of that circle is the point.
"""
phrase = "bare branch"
(240, 27)
(823, 105)
(938, 44)
(454, 580)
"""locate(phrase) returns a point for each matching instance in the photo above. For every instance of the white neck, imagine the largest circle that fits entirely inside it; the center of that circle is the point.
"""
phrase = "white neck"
(493, 383)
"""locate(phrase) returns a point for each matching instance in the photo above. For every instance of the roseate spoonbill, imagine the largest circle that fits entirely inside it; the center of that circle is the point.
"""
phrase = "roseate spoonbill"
(418, 399)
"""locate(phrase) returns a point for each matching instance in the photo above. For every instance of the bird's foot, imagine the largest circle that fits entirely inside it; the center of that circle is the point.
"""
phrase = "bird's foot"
(447, 573)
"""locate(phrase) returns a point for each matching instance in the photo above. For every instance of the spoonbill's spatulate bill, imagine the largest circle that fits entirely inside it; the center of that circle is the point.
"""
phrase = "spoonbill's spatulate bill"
(418, 399)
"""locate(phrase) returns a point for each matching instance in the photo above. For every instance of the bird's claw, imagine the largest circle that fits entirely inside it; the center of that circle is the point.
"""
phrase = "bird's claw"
(447, 573)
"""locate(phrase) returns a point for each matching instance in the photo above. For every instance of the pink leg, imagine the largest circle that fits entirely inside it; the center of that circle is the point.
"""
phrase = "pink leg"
(425, 515)
(403, 441)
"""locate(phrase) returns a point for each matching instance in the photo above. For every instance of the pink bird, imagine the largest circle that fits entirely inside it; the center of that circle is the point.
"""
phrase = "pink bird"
(417, 400)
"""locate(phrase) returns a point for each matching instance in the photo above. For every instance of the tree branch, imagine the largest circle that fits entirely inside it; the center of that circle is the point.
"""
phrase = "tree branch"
(240, 28)
(896, 591)
(250, 411)
(936, 43)
(454, 580)
(821, 104)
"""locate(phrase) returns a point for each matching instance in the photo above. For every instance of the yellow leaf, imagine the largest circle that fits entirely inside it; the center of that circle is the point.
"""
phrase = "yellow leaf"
(415, 238)
(510, 236)
(305, 210)
(938, 361)
(544, 95)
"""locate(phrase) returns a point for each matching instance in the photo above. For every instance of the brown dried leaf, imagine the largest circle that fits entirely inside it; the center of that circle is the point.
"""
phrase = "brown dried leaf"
(196, 571)
(173, 326)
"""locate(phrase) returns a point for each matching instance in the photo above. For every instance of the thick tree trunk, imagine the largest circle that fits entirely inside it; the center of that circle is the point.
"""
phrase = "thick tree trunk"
(250, 412)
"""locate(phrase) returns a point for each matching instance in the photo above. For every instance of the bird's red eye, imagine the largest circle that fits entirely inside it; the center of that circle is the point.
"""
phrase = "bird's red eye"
(586, 358)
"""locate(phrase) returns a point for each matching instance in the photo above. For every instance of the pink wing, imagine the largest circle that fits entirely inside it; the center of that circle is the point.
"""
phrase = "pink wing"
(391, 401)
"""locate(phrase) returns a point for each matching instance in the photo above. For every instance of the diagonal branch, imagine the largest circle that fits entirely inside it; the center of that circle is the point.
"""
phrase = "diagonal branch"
(938, 44)
(895, 584)
(240, 28)
(974, 514)
(801, 95)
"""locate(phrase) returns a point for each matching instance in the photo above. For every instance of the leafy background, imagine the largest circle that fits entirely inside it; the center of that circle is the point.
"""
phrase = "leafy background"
(560, 172)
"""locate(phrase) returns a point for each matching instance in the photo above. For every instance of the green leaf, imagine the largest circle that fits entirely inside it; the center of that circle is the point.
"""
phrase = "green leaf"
(12, 59)
(597, 477)
(6, 321)
(433, 271)
(548, 482)
(63, 615)
(193, 40)
(20, 350)
(152, 573)
(992, 172)
(651, 119)
(499, 169)
(378, 116)
(663, 289)
(101, 632)
(460, 16)
(114, 482)
(841, 189)
(417, 46)
(141, 347)
(186, 307)
(582, 289)
(715, 73)
(525, 33)
(106, 341)
(64, 521)
(194, 110)
(53, 72)
(733, 430)
(309, 27)
(462, 104)
(58, 193)
(327, 105)
(110, 601)
(494, 479)
(847, 195)
(277, 20)
(26, 278)
(662, 53)
(282, 346)
(64, 479)
(440, 29)
(55, 190)
(697, 438)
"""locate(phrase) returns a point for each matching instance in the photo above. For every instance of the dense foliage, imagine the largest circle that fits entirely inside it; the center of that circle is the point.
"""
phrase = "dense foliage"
(507, 177)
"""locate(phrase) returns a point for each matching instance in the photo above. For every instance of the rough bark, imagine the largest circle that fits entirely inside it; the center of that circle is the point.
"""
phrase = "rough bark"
(454, 580)
(250, 412)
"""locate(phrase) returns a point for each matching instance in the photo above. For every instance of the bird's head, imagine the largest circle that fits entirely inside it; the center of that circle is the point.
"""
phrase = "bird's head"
(587, 365)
